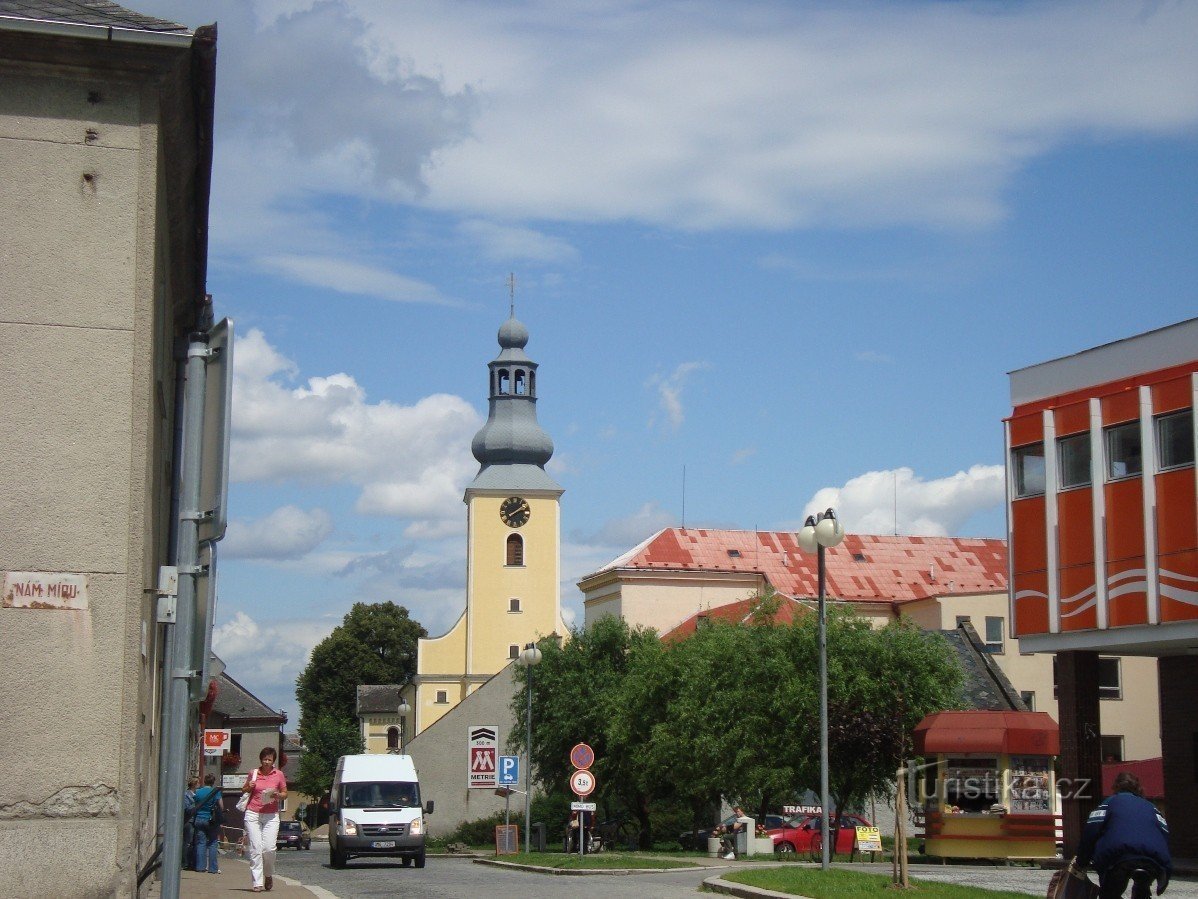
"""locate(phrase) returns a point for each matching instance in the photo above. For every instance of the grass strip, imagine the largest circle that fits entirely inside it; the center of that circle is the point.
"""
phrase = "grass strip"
(841, 884)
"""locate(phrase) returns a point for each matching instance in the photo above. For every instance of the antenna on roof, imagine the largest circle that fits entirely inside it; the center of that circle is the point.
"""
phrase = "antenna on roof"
(511, 287)
(683, 496)
(895, 502)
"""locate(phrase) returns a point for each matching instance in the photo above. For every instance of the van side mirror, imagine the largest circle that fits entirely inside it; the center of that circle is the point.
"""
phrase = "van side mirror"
(428, 807)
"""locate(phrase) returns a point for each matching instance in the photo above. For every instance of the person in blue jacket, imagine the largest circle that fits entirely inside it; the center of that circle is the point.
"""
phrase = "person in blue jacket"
(1124, 833)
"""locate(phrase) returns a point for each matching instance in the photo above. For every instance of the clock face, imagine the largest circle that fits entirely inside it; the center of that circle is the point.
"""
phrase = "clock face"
(514, 512)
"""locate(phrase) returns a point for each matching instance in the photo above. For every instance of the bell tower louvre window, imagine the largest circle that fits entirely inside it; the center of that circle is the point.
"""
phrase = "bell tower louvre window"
(515, 551)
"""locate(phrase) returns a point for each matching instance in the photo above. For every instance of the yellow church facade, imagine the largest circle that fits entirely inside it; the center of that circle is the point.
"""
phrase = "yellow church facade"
(513, 562)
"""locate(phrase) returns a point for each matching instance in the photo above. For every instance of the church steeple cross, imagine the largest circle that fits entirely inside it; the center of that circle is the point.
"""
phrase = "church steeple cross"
(511, 286)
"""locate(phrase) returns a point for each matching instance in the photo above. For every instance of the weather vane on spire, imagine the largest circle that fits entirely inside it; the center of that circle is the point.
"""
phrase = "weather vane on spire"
(511, 286)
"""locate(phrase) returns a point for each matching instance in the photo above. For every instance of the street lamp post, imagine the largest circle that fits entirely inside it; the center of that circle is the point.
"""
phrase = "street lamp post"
(529, 658)
(404, 710)
(819, 532)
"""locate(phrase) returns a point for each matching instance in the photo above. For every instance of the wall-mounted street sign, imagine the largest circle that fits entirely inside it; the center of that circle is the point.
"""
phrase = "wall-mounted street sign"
(582, 756)
(509, 770)
(482, 747)
(582, 783)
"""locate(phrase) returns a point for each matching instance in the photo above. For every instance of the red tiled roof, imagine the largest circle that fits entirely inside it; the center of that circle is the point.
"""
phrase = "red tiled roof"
(862, 568)
(739, 612)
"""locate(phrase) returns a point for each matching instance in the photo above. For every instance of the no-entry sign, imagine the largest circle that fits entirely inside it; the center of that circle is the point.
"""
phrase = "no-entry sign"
(582, 782)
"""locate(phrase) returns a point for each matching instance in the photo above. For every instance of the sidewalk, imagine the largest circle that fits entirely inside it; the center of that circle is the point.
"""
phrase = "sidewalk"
(234, 880)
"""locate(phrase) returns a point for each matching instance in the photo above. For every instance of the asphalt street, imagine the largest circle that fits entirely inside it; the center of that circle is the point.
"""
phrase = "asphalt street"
(461, 878)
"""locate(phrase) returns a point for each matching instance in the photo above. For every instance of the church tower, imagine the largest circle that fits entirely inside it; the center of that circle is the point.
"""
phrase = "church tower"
(513, 564)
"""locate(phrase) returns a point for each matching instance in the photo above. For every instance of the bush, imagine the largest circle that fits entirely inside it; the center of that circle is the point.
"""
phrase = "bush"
(476, 833)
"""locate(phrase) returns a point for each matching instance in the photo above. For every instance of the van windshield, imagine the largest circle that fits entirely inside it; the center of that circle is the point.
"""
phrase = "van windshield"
(381, 794)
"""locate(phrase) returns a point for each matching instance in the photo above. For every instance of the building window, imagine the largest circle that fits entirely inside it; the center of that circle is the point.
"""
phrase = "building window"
(513, 605)
(1027, 463)
(734, 554)
(442, 697)
(1123, 458)
(1112, 747)
(994, 634)
(1175, 439)
(392, 738)
(519, 381)
(503, 380)
(1110, 683)
(1073, 455)
(515, 551)
(1029, 699)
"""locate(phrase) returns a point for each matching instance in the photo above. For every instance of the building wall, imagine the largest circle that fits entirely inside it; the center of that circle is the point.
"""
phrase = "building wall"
(663, 603)
(440, 755)
(1135, 716)
(83, 472)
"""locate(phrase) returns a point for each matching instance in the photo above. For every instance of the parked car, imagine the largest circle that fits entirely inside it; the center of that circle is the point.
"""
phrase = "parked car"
(690, 840)
(800, 833)
(293, 835)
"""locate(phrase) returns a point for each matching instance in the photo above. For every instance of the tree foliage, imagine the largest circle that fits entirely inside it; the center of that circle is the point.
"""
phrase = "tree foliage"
(326, 739)
(374, 644)
(733, 710)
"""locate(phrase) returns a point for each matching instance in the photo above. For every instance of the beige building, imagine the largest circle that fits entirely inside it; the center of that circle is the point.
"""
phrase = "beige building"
(105, 129)
(680, 574)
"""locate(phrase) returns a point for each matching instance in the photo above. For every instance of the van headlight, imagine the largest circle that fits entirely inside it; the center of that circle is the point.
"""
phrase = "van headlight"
(416, 827)
(349, 828)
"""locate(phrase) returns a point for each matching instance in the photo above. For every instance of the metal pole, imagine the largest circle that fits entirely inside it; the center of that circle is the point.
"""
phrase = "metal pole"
(528, 767)
(175, 742)
(825, 860)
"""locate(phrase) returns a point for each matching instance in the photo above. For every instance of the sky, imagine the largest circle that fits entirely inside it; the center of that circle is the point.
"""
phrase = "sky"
(789, 248)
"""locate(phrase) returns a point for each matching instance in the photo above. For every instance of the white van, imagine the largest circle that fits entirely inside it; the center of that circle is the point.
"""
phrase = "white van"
(374, 810)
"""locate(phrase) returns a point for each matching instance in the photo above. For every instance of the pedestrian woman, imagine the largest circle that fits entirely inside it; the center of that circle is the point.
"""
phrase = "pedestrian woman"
(266, 786)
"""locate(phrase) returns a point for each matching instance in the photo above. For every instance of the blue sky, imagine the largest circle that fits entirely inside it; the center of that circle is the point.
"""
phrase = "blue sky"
(794, 247)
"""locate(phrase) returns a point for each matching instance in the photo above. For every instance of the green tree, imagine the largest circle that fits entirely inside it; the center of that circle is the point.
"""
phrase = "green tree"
(326, 739)
(374, 644)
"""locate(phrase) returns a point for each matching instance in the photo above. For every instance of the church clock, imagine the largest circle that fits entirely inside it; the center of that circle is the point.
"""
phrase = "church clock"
(514, 512)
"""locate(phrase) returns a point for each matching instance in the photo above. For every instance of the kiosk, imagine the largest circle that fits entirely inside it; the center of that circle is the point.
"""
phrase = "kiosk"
(988, 789)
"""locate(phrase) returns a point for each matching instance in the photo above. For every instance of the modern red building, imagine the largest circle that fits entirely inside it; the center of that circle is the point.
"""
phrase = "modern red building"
(1103, 537)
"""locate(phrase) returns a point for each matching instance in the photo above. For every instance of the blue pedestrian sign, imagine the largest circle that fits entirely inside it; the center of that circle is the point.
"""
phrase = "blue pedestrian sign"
(509, 770)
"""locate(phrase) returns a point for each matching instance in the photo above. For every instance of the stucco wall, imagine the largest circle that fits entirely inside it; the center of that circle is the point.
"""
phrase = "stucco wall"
(441, 758)
(84, 472)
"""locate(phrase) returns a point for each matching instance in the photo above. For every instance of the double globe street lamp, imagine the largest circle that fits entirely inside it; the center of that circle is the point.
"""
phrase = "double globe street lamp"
(817, 534)
(530, 657)
(404, 710)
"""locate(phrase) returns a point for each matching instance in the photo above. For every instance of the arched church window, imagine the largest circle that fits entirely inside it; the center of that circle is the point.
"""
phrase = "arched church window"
(503, 380)
(515, 550)
(392, 738)
(519, 382)
(532, 383)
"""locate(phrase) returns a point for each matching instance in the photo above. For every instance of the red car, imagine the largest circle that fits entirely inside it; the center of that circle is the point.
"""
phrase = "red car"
(801, 834)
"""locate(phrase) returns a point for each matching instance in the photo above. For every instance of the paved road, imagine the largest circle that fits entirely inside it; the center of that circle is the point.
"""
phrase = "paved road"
(459, 878)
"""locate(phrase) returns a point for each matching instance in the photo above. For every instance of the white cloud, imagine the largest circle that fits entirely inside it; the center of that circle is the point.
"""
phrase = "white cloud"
(937, 508)
(763, 115)
(268, 656)
(743, 455)
(344, 276)
(626, 532)
(509, 243)
(288, 532)
(669, 392)
(408, 461)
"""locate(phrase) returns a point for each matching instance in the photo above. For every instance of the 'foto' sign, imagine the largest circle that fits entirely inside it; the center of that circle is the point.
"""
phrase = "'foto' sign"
(482, 747)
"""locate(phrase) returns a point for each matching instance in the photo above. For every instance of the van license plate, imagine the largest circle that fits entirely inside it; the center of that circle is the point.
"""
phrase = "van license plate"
(383, 844)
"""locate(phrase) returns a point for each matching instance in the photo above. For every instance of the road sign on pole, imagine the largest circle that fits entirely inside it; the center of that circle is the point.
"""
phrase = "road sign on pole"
(582, 782)
(483, 752)
(582, 756)
(509, 770)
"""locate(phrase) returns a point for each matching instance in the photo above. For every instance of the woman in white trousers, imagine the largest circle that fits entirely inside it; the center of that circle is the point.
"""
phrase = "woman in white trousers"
(261, 830)
(267, 788)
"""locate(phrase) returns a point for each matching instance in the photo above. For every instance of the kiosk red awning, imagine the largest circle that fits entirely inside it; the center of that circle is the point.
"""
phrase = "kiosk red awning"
(1017, 733)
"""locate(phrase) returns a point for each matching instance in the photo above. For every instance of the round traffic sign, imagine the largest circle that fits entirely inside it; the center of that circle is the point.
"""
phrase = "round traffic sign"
(582, 782)
(582, 756)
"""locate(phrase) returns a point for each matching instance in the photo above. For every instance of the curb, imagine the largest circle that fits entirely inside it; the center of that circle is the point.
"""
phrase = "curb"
(718, 885)
(584, 872)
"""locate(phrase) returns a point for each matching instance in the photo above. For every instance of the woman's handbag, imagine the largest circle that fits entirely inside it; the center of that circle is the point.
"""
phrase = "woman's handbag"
(1072, 883)
(244, 802)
